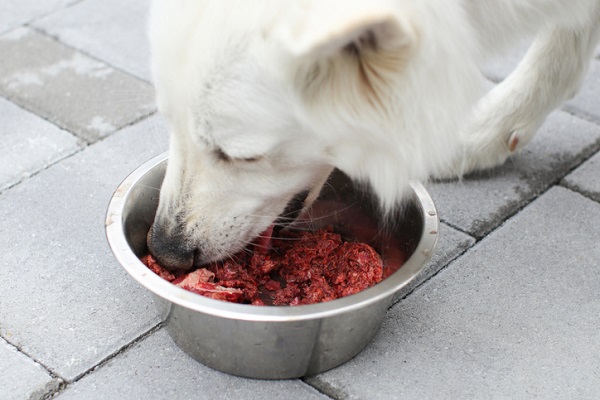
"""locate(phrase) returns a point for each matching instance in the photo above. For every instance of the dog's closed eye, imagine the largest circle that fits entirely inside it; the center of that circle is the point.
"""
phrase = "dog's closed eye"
(221, 155)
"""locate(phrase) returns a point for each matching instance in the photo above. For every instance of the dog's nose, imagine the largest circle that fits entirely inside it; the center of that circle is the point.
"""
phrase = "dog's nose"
(170, 249)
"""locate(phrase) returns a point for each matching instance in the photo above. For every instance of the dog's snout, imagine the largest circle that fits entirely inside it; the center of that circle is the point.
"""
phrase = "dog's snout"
(170, 248)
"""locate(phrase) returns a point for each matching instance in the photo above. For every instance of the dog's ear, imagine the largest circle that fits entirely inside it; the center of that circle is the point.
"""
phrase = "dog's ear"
(318, 29)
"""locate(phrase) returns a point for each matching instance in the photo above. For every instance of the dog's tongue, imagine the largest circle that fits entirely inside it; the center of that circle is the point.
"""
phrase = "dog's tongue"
(262, 243)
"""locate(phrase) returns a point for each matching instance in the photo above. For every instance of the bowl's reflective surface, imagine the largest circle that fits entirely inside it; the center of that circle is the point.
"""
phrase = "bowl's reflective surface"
(278, 342)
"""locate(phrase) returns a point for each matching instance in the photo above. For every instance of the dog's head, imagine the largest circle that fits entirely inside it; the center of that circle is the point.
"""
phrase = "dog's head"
(264, 98)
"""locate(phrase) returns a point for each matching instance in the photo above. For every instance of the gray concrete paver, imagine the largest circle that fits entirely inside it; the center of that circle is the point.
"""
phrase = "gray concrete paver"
(22, 378)
(111, 30)
(515, 317)
(586, 178)
(451, 244)
(587, 102)
(156, 368)
(479, 203)
(31, 144)
(74, 91)
(69, 304)
(16, 13)
(498, 68)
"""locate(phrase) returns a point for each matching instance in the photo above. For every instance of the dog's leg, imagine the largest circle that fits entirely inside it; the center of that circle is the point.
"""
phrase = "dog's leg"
(507, 118)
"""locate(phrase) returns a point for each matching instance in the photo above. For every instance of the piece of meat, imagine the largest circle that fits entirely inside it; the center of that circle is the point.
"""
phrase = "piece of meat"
(357, 267)
(158, 269)
(201, 282)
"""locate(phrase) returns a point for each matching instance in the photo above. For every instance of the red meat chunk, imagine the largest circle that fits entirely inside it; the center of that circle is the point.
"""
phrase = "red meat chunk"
(201, 282)
(299, 268)
(158, 269)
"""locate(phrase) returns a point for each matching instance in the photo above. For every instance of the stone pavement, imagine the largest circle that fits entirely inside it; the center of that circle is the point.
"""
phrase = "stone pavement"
(509, 307)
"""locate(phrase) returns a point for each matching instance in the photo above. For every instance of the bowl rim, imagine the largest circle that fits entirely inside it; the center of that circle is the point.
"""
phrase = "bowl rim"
(120, 247)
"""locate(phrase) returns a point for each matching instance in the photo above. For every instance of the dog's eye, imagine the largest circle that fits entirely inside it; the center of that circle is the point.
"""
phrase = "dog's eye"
(251, 159)
(221, 155)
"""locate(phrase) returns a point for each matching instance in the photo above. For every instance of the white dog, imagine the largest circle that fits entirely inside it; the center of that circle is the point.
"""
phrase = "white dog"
(265, 97)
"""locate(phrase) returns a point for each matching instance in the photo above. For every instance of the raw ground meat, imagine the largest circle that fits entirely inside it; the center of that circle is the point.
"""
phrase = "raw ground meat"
(299, 268)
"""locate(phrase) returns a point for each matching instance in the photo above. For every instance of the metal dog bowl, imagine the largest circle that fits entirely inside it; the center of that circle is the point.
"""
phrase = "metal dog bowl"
(277, 342)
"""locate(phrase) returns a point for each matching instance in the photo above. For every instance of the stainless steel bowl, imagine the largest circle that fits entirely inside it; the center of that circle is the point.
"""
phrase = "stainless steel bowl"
(277, 342)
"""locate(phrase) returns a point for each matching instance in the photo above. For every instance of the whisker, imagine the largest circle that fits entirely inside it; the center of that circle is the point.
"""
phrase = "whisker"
(233, 258)
(150, 187)
(288, 239)
(157, 135)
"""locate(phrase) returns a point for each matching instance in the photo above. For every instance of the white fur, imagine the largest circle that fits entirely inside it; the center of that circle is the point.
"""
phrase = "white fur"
(264, 97)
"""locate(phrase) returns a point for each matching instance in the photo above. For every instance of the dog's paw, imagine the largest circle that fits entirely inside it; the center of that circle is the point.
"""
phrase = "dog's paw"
(499, 126)
(478, 154)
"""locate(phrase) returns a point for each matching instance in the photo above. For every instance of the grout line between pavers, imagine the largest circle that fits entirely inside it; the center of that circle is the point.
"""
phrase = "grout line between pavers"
(129, 124)
(104, 361)
(520, 206)
(327, 389)
(585, 155)
(40, 16)
(82, 145)
(581, 114)
(24, 108)
(46, 167)
(578, 190)
(44, 15)
(478, 240)
(319, 390)
(558, 182)
(443, 267)
(66, 129)
(451, 225)
(56, 39)
(49, 370)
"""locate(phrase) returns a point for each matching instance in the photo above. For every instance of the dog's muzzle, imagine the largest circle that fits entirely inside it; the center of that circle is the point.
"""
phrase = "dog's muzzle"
(172, 250)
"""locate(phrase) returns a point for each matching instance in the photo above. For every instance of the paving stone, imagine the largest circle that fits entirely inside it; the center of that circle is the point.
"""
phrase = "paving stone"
(74, 91)
(480, 202)
(15, 13)
(587, 102)
(499, 67)
(515, 318)
(156, 369)
(21, 377)
(68, 303)
(451, 244)
(585, 178)
(111, 30)
(30, 144)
